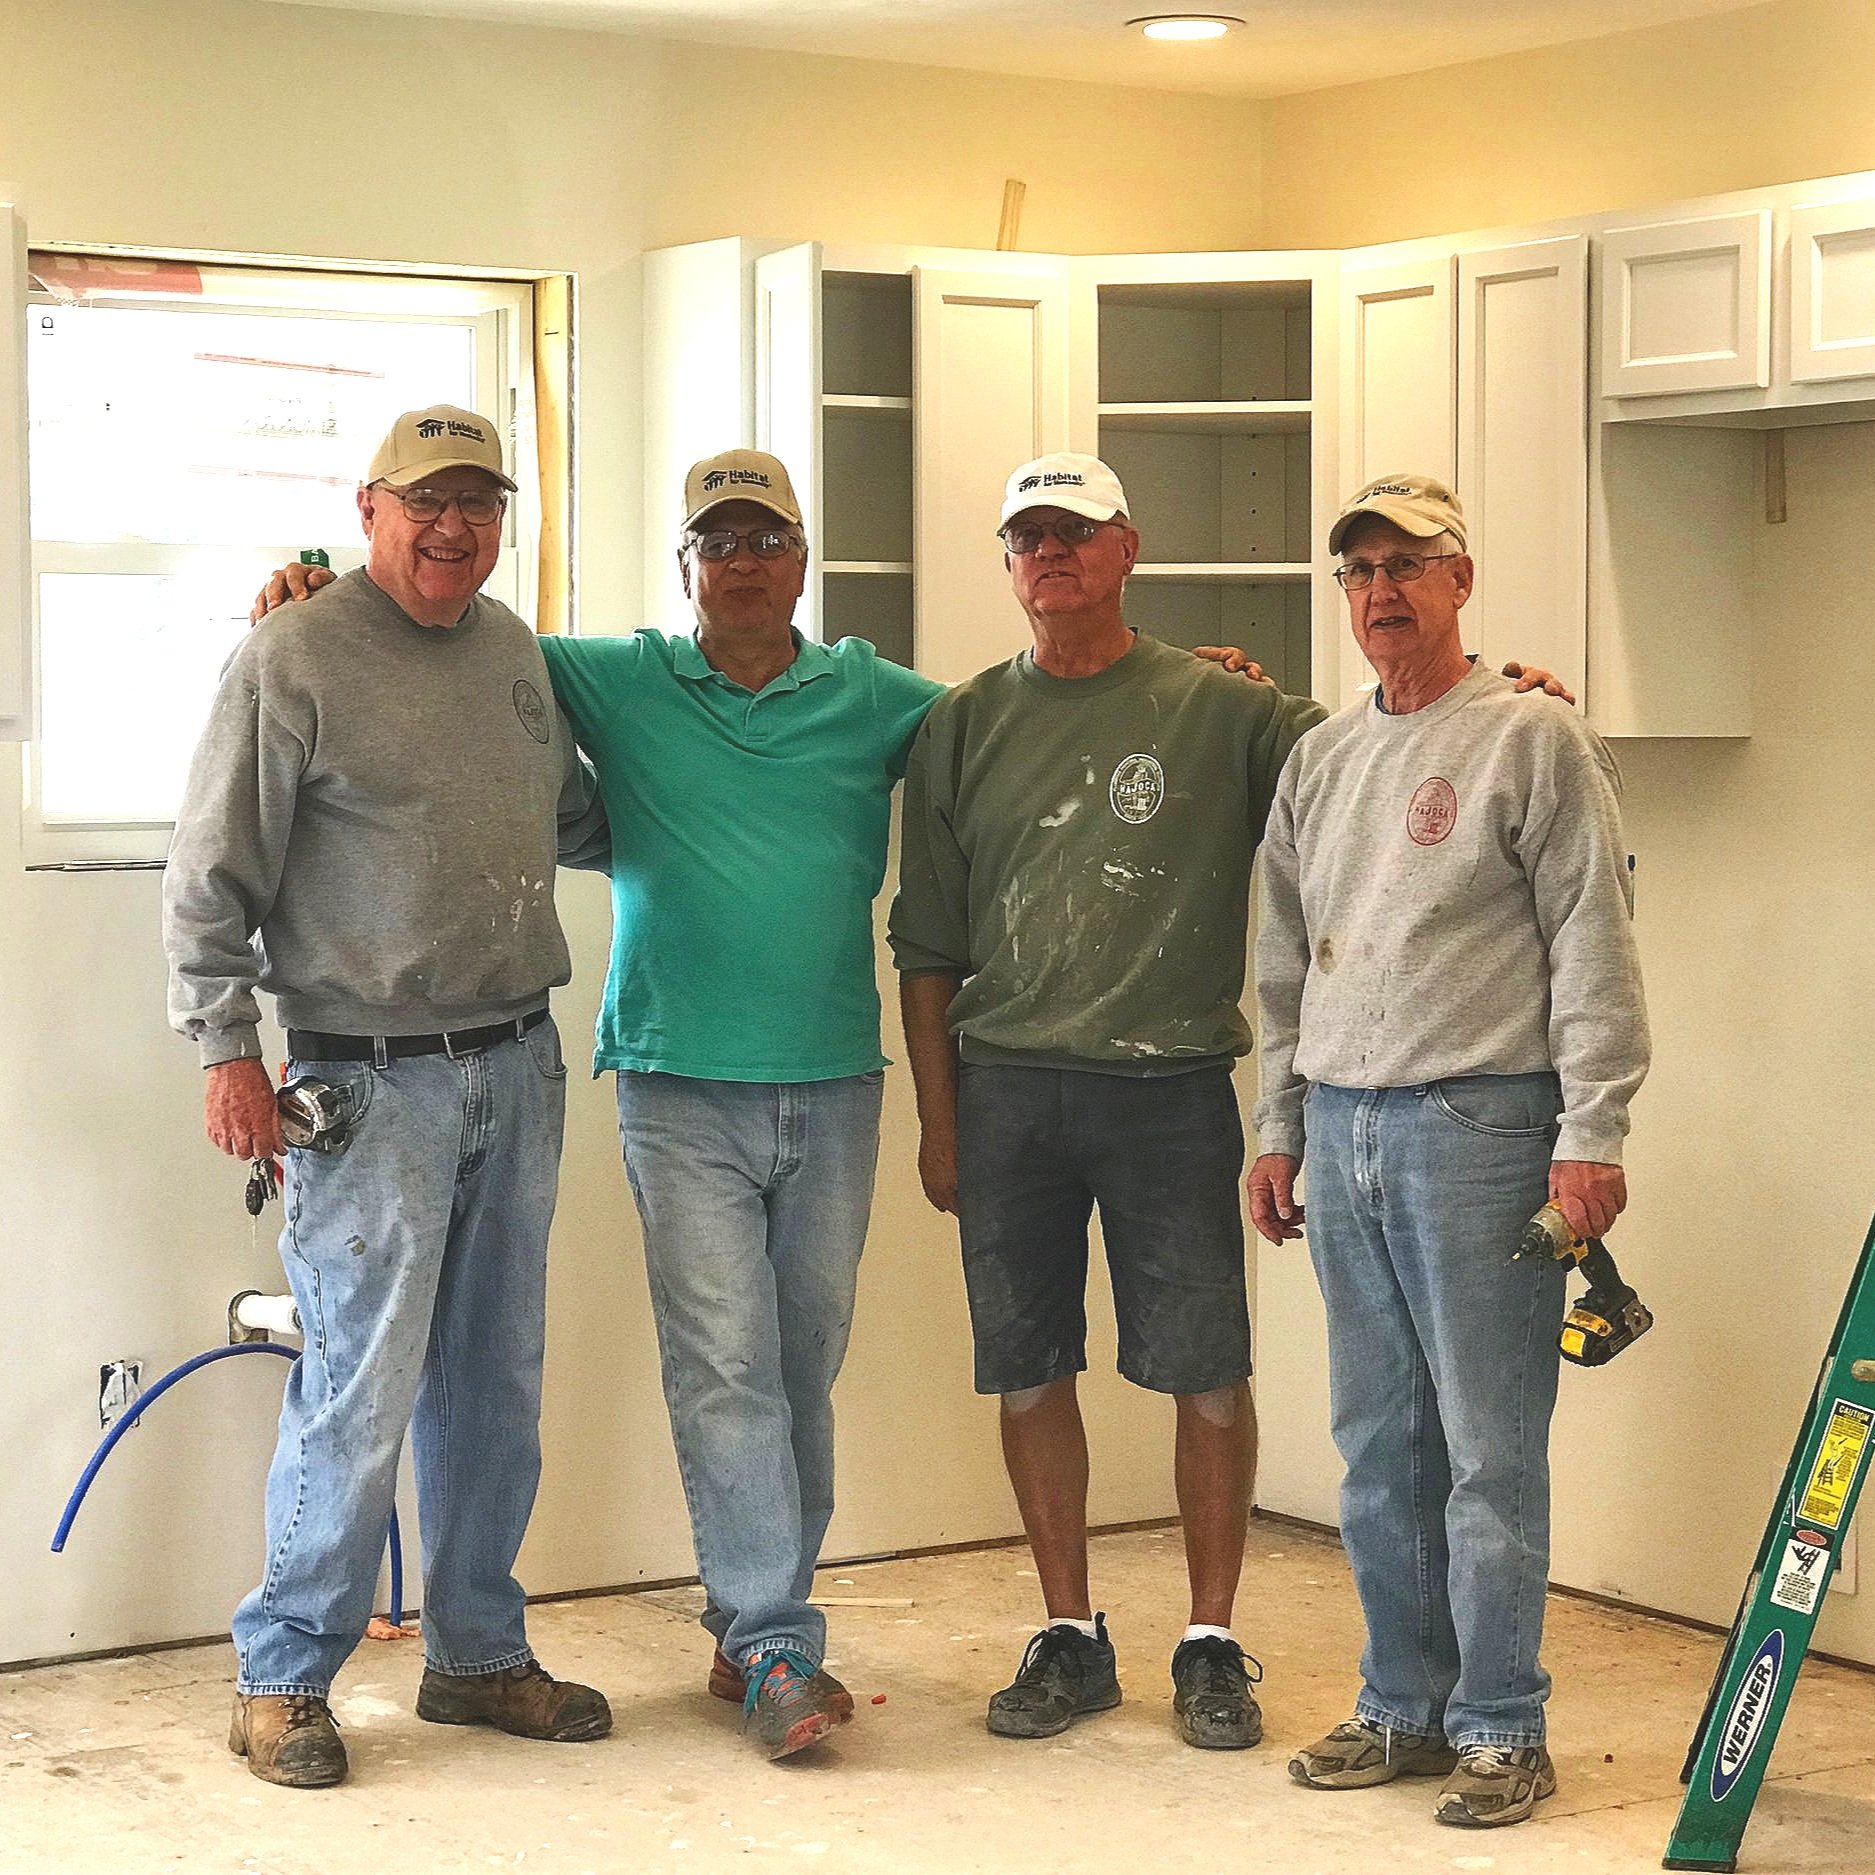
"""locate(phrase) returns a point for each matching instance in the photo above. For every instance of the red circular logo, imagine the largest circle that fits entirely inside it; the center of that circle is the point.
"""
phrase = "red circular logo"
(1433, 811)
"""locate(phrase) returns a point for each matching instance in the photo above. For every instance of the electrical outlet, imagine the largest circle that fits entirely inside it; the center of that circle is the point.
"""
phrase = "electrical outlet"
(119, 1383)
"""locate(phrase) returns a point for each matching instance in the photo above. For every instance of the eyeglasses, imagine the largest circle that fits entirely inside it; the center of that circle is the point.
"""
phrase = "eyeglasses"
(1402, 569)
(1072, 530)
(477, 506)
(766, 543)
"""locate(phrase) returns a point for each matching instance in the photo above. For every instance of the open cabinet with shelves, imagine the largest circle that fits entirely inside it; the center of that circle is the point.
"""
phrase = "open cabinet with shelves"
(1204, 401)
(865, 543)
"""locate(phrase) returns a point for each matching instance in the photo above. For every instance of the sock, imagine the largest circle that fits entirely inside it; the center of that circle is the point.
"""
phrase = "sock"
(1080, 1627)
(1199, 1632)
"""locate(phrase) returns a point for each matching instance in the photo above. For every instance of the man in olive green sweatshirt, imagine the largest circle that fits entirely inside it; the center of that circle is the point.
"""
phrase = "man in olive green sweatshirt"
(1070, 931)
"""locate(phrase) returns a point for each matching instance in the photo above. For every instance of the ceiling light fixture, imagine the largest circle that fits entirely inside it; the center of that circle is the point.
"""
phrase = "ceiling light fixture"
(1187, 25)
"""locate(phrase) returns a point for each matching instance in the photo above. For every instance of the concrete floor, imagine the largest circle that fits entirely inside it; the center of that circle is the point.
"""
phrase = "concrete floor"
(120, 1765)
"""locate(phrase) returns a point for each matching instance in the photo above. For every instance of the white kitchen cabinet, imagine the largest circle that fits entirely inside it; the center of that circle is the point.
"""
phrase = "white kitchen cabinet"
(1472, 367)
(1523, 451)
(16, 712)
(1399, 352)
(1199, 379)
(833, 399)
(1686, 306)
(991, 391)
(1832, 292)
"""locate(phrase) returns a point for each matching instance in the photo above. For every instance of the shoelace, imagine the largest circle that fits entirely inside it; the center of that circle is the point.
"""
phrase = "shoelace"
(305, 1709)
(1486, 1757)
(1221, 1670)
(791, 1675)
(1045, 1649)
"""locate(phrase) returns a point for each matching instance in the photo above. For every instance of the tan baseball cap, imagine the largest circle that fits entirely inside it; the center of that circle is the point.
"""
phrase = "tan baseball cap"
(739, 475)
(1416, 504)
(1081, 484)
(445, 436)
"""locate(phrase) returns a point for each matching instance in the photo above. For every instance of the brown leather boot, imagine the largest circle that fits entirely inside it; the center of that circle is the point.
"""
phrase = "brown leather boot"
(525, 1700)
(288, 1738)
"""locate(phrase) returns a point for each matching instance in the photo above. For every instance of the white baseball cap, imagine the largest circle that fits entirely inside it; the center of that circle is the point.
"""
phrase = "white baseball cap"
(1080, 484)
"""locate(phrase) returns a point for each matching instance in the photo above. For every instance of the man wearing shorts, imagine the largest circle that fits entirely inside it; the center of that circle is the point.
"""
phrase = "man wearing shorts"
(1070, 933)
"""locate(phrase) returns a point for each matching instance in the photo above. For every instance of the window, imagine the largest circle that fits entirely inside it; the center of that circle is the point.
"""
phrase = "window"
(191, 428)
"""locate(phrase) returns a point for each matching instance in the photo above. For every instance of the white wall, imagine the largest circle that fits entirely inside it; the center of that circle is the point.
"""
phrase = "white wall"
(228, 125)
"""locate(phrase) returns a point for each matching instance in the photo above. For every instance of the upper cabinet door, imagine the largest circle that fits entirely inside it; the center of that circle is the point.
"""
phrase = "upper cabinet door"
(990, 359)
(1686, 306)
(16, 714)
(1523, 451)
(787, 389)
(1832, 292)
(1397, 360)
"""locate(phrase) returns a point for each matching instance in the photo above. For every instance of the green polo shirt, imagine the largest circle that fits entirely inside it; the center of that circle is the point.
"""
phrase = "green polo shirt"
(749, 841)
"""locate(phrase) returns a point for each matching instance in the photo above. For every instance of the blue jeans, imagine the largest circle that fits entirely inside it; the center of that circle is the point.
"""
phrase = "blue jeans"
(1442, 1371)
(754, 1198)
(418, 1259)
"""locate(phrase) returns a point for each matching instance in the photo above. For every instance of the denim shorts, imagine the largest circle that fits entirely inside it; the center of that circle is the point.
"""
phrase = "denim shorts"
(1037, 1149)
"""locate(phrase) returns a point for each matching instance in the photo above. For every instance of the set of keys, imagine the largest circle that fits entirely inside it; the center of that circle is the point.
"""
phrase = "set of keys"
(263, 1183)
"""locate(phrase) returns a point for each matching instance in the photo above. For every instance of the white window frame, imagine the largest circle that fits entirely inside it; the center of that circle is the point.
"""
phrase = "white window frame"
(500, 307)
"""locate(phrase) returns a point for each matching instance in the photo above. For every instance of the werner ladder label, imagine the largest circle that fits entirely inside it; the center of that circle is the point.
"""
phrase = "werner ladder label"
(1801, 1546)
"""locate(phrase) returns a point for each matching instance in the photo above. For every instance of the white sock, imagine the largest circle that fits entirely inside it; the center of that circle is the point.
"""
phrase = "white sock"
(1080, 1627)
(1199, 1632)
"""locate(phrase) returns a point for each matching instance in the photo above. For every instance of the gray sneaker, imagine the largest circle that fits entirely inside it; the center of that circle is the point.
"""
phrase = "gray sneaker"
(1063, 1674)
(1494, 1785)
(1358, 1753)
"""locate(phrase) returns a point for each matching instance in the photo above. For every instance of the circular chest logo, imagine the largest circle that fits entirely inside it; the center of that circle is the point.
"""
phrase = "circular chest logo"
(1433, 811)
(1137, 788)
(529, 708)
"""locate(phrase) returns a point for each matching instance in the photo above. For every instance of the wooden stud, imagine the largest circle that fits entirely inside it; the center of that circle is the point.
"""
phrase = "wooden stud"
(1013, 192)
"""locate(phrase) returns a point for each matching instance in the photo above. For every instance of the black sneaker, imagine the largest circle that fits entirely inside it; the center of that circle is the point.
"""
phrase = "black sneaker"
(1063, 1674)
(1211, 1681)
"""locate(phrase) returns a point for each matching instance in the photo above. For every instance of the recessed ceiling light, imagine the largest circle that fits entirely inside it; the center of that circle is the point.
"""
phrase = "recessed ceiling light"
(1187, 25)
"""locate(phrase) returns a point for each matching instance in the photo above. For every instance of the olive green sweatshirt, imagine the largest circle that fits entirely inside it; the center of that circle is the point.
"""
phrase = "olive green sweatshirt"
(1080, 848)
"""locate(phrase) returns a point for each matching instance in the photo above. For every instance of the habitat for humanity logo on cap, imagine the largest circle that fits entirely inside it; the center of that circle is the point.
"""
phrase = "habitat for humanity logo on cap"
(739, 475)
(1080, 484)
(1421, 505)
(426, 442)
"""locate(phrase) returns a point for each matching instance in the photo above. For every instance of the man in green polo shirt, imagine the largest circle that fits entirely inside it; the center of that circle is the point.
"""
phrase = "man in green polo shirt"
(755, 770)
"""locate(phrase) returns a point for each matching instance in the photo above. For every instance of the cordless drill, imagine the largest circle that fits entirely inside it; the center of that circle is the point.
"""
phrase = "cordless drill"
(1609, 1316)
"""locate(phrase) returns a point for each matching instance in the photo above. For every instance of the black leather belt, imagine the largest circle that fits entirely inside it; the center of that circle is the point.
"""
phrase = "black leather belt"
(311, 1045)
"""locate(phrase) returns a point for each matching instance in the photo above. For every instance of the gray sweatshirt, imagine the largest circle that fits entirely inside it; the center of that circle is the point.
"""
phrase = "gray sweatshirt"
(1446, 893)
(368, 831)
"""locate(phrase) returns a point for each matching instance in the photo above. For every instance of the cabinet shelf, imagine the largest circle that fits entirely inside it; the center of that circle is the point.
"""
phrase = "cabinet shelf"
(1261, 417)
(890, 407)
(1223, 570)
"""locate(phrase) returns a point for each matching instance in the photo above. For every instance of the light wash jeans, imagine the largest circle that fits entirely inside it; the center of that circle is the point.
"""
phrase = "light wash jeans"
(1442, 1370)
(418, 1259)
(754, 1198)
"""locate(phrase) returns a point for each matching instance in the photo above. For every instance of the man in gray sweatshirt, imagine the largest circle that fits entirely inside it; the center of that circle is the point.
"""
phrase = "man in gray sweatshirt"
(1452, 1026)
(368, 834)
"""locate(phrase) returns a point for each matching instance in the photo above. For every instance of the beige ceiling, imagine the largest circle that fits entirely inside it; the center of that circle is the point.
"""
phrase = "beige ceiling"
(1285, 46)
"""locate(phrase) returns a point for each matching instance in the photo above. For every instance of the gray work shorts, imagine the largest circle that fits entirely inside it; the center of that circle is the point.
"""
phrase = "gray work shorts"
(1037, 1149)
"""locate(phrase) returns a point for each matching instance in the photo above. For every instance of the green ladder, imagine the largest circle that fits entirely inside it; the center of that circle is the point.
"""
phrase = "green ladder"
(1784, 1593)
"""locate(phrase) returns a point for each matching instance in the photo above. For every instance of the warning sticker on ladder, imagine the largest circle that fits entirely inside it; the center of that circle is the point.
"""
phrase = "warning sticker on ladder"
(1799, 1580)
(1838, 1459)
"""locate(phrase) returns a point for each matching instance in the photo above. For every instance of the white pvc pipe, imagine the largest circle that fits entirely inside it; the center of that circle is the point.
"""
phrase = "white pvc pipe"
(274, 1315)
